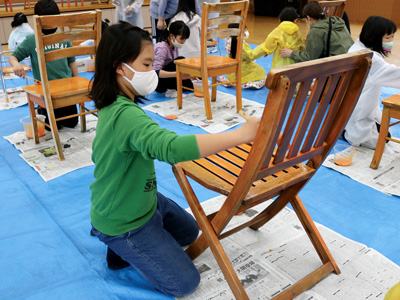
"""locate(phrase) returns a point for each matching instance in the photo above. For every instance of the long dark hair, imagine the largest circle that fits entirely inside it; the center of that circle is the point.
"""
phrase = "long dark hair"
(314, 10)
(233, 40)
(120, 43)
(373, 31)
(19, 19)
(176, 28)
(188, 7)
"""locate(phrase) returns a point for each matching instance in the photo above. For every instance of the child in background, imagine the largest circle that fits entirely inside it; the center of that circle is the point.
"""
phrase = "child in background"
(187, 13)
(20, 32)
(253, 75)
(129, 11)
(127, 213)
(166, 52)
(286, 36)
(377, 35)
(57, 69)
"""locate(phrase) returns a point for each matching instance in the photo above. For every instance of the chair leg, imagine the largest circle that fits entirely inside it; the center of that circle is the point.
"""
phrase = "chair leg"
(207, 103)
(210, 235)
(54, 133)
(179, 86)
(32, 113)
(4, 88)
(238, 94)
(383, 132)
(313, 233)
(214, 89)
(82, 118)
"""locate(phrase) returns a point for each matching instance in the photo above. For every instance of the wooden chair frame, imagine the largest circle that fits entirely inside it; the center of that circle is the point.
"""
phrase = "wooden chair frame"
(212, 66)
(281, 160)
(391, 109)
(333, 8)
(68, 91)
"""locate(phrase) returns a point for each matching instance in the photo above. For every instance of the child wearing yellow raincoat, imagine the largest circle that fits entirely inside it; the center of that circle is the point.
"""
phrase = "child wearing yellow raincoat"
(286, 36)
(253, 75)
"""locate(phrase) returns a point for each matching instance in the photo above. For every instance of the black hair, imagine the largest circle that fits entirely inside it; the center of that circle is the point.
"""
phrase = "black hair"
(373, 31)
(313, 10)
(175, 28)
(19, 19)
(288, 14)
(104, 25)
(233, 40)
(46, 8)
(188, 7)
(120, 43)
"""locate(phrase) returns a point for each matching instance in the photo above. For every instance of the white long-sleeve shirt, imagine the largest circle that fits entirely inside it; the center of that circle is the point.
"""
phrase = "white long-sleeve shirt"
(361, 128)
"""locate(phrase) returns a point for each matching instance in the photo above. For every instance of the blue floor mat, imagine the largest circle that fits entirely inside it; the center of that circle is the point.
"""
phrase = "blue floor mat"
(46, 251)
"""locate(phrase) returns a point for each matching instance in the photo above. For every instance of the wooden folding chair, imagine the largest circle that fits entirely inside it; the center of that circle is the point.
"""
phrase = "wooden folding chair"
(68, 91)
(391, 109)
(292, 141)
(333, 8)
(212, 66)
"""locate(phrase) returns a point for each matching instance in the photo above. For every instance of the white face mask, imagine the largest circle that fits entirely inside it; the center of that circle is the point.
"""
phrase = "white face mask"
(246, 35)
(144, 83)
(177, 44)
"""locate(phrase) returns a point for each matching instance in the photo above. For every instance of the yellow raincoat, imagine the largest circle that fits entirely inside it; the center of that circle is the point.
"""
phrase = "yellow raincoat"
(286, 36)
(251, 72)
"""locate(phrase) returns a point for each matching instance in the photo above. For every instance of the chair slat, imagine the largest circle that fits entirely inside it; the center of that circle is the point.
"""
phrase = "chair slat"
(221, 173)
(223, 33)
(225, 164)
(68, 20)
(228, 7)
(226, 19)
(69, 52)
(68, 36)
(232, 158)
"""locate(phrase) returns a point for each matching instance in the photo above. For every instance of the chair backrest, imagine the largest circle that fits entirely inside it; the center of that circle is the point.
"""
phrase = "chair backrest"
(217, 27)
(304, 129)
(333, 8)
(66, 20)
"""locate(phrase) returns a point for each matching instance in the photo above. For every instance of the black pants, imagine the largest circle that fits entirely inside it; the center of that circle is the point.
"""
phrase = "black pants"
(62, 112)
(170, 83)
(155, 30)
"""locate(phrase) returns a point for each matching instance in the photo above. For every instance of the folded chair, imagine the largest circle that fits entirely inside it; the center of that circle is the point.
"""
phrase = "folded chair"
(293, 139)
(391, 109)
(212, 66)
(333, 8)
(68, 91)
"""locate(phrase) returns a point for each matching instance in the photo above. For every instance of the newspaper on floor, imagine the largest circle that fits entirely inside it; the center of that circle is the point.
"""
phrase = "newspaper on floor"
(386, 178)
(193, 111)
(16, 96)
(42, 157)
(277, 255)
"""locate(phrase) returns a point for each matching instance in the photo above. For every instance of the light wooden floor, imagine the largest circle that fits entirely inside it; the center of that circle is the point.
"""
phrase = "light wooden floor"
(260, 26)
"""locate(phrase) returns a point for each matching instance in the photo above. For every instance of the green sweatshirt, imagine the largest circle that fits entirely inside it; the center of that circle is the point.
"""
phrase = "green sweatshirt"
(56, 69)
(316, 43)
(127, 142)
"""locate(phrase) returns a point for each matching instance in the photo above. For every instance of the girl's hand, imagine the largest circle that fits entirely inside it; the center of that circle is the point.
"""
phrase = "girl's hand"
(249, 129)
(160, 24)
(18, 70)
(265, 54)
(286, 52)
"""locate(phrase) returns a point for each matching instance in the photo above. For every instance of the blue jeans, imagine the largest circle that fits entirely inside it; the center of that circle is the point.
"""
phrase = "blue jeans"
(154, 249)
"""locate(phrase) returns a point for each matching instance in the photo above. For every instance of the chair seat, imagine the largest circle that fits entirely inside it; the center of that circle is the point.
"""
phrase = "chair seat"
(9, 70)
(393, 101)
(60, 88)
(220, 172)
(212, 61)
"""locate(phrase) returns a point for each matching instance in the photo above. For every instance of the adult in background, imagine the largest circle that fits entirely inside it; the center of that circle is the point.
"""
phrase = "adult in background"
(328, 36)
(162, 11)
(129, 11)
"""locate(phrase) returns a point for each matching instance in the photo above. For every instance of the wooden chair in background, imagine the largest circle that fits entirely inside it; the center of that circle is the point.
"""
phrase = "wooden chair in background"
(280, 161)
(333, 8)
(212, 66)
(68, 91)
(391, 109)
